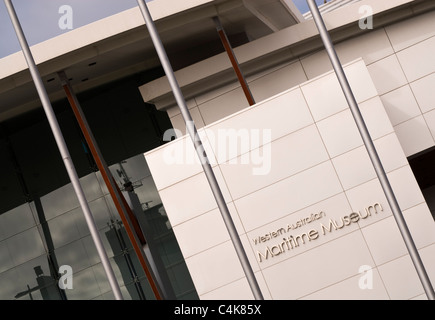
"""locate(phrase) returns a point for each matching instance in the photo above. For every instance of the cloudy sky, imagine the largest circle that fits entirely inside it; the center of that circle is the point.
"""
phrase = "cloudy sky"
(40, 18)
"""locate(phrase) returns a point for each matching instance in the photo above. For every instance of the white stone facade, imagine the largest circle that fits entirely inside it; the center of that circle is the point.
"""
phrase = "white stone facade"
(318, 163)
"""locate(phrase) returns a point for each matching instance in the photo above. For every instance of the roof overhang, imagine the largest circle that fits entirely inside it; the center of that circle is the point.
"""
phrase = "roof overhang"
(282, 46)
(118, 46)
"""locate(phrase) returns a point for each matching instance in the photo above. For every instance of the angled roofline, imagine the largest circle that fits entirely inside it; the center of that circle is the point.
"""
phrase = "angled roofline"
(86, 36)
(284, 45)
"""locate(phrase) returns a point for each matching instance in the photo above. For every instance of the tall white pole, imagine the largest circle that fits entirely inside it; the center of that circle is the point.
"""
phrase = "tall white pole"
(391, 198)
(63, 150)
(201, 152)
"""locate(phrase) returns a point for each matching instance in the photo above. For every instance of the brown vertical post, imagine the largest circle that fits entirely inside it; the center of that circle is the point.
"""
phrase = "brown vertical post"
(234, 62)
(128, 219)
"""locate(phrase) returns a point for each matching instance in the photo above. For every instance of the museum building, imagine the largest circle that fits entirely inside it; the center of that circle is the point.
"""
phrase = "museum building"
(298, 181)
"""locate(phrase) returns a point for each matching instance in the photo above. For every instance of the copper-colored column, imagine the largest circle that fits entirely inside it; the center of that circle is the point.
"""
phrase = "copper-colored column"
(128, 219)
(234, 61)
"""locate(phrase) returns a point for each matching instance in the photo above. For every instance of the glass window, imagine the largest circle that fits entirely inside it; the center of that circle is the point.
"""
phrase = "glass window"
(74, 255)
(59, 201)
(63, 228)
(6, 261)
(42, 225)
(16, 220)
(85, 286)
(25, 246)
(36, 280)
(11, 284)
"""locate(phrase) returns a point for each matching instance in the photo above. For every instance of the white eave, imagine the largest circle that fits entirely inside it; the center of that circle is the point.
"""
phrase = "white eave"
(119, 45)
(277, 47)
(93, 33)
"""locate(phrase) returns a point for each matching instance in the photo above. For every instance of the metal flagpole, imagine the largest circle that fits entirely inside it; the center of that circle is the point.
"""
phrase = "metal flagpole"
(191, 128)
(63, 149)
(413, 252)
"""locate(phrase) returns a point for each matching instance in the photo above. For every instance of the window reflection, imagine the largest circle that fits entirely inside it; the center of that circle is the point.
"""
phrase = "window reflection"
(73, 254)
(91, 187)
(147, 193)
(5, 257)
(85, 286)
(163, 250)
(37, 281)
(46, 287)
(129, 271)
(25, 246)
(64, 229)
(100, 276)
(16, 220)
(101, 213)
(91, 250)
(42, 225)
(11, 284)
(38, 237)
(59, 201)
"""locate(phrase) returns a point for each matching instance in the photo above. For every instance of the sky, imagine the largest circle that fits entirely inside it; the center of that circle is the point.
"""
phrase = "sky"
(40, 18)
(303, 6)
